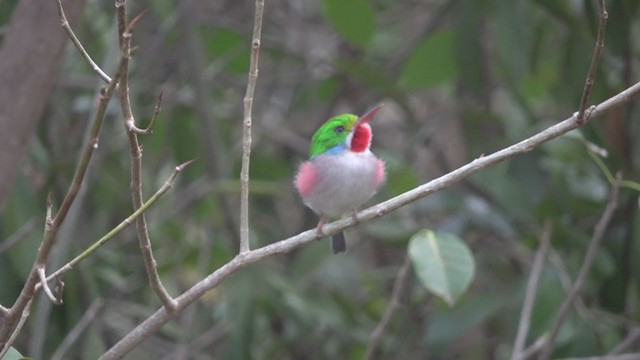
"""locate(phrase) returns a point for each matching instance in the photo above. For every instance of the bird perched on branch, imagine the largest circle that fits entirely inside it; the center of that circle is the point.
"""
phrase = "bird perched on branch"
(342, 173)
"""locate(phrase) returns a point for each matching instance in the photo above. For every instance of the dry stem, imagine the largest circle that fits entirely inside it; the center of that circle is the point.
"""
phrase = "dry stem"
(595, 61)
(21, 306)
(136, 155)
(398, 288)
(589, 257)
(246, 129)
(530, 294)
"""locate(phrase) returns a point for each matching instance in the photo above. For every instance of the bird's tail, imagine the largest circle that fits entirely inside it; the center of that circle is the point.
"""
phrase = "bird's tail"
(338, 243)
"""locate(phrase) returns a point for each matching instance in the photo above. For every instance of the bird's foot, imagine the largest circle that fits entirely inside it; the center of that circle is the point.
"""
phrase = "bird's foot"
(319, 233)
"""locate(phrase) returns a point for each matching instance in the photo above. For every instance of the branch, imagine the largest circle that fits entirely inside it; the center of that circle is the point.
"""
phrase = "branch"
(12, 336)
(65, 25)
(530, 295)
(595, 60)
(20, 307)
(78, 329)
(629, 341)
(589, 257)
(125, 223)
(246, 129)
(242, 260)
(394, 303)
(136, 155)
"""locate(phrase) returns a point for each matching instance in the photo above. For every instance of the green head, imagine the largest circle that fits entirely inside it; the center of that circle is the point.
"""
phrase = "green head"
(334, 133)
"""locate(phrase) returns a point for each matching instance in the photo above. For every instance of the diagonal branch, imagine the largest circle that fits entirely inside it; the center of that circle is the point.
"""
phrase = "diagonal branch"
(155, 321)
(246, 128)
(21, 305)
(589, 257)
(398, 288)
(123, 224)
(65, 25)
(530, 294)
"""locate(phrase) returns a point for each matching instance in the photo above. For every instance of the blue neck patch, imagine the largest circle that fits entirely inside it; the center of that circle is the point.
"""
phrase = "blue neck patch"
(336, 150)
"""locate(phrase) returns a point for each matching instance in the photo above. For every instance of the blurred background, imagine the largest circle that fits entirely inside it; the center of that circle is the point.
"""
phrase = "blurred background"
(458, 79)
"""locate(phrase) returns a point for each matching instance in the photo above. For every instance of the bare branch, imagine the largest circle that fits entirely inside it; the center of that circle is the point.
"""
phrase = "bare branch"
(533, 348)
(595, 61)
(242, 260)
(532, 289)
(589, 257)
(246, 129)
(78, 329)
(126, 222)
(136, 155)
(16, 328)
(65, 25)
(20, 307)
(631, 339)
(394, 302)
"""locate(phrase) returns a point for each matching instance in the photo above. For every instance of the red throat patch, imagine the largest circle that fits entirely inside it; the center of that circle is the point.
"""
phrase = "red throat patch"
(361, 138)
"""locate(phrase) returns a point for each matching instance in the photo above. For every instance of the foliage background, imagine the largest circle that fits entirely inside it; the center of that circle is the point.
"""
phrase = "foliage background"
(458, 79)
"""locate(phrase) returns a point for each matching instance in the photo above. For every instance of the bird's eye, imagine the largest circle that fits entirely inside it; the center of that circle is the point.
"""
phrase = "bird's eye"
(339, 129)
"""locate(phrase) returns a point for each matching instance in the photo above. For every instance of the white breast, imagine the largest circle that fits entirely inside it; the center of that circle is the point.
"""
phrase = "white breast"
(345, 181)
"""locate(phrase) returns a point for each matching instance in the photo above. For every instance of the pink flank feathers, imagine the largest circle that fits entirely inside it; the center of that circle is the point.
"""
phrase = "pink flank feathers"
(306, 179)
(380, 173)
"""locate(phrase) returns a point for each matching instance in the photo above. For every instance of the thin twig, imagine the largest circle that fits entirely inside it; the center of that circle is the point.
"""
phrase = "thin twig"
(246, 128)
(592, 250)
(532, 289)
(126, 222)
(534, 348)
(78, 329)
(10, 326)
(136, 155)
(595, 61)
(394, 302)
(631, 339)
(156, 113)
(24, 315)
(65, 25)
(22, 233)
(567, 285)
(243, 260)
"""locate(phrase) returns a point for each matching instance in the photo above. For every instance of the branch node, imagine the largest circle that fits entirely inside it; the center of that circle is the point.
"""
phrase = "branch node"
(47, 290)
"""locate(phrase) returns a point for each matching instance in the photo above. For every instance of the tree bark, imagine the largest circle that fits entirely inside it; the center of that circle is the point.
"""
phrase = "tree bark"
(30, 58)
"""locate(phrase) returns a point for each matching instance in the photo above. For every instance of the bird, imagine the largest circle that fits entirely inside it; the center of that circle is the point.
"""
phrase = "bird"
(342, 173)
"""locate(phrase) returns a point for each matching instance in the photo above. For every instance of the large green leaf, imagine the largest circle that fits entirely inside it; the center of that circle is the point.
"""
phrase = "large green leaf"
(353, 19)
(443, 262)
(432, 63)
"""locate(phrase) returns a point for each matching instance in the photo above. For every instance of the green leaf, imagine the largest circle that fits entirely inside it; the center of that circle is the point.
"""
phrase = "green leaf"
(432, 63)
(353, 19)
(443, 262)
(13, 354)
